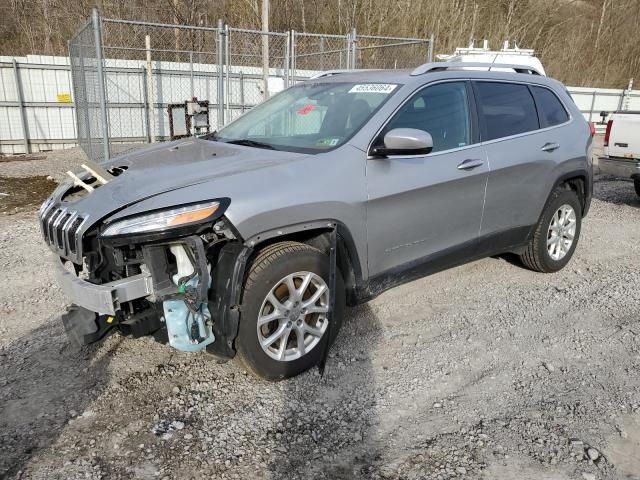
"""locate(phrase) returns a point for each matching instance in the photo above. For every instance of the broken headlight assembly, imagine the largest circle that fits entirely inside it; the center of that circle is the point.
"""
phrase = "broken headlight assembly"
(168, 220)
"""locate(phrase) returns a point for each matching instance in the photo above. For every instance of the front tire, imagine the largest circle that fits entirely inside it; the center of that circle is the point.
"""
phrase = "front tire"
(556, 234)
(636, 184)
(284, 311)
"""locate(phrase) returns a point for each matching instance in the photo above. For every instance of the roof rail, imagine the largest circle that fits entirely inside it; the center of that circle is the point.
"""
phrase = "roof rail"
(442, 66)
(331, 73)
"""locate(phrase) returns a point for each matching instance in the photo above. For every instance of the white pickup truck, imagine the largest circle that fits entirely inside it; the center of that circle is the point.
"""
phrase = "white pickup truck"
(622, 147)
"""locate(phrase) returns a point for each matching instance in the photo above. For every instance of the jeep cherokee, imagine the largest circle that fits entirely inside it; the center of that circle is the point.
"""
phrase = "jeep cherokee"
(250, 241)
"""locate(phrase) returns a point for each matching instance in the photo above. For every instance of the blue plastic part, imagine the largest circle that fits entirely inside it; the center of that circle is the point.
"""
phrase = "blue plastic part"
(179, 320)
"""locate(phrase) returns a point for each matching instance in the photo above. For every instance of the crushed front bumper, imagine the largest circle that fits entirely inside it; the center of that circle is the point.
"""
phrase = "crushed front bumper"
(620, 167)
(104, 299)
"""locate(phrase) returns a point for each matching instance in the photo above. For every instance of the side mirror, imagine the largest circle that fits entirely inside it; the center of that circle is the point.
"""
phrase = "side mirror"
(405, 141)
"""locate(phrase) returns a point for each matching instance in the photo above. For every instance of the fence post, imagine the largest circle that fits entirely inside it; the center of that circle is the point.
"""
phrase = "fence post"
(227, 62)
(242, 90)
(23, 117)
(430, 54)
(145, 102)
(626, 95)
(151, 109)
(102, 92)
(287, 60)
(220, 52)
(354, 48)
(292, 73)
(193, 92)
(593, 102)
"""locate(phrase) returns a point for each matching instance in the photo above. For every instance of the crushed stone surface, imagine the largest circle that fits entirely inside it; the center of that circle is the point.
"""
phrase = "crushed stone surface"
(485, 371)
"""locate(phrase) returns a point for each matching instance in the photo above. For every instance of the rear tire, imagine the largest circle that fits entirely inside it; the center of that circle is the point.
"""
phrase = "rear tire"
(636, 184)
(556, 234)
(282, 329)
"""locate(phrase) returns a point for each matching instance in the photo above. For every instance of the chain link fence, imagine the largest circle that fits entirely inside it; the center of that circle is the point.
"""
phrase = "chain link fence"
(256, 65)
(85, 57)
(127, 74)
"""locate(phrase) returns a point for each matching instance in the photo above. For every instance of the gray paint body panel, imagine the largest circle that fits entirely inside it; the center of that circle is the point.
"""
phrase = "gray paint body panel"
(397, 210)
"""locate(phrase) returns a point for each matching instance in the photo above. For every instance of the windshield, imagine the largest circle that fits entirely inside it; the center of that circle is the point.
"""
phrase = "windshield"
(309, 117)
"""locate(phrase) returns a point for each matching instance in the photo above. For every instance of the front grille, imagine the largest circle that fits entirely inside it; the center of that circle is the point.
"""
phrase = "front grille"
(59, 229)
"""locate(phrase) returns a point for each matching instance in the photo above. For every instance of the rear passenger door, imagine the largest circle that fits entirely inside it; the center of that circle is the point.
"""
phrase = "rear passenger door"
(523, 151)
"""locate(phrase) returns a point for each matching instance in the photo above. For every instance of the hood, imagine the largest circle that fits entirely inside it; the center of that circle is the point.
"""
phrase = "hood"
(167, 167)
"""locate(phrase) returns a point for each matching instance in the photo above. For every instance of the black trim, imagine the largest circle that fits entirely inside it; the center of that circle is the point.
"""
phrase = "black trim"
(494, 244)
(474, 113)
(345, 239)
(333, 253)
(586, 195)
(225, 297)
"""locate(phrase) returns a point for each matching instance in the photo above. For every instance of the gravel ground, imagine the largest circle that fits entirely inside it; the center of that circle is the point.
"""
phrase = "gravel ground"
(485, 371)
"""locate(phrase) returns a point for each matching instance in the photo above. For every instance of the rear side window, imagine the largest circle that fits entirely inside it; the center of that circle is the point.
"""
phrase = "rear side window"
(506, 109)
(550, 109)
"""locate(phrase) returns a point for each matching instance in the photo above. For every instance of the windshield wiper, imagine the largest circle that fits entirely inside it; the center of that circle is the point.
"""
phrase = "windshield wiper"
(251, 143)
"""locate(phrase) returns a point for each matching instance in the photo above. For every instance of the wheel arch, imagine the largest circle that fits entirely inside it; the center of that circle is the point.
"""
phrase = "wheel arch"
(580, 182)
(318, 235)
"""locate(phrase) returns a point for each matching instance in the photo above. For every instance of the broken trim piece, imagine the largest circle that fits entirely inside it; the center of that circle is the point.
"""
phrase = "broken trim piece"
(78, 181)
(99, 177)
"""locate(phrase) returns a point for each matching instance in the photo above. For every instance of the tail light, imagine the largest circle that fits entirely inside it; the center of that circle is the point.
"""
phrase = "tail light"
(592, 128)
(607, 133)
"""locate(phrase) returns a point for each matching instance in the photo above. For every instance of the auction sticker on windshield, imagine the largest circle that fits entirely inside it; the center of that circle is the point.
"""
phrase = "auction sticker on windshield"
(373, 88)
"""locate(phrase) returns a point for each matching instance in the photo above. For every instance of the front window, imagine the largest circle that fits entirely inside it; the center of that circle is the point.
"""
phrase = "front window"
(442, 110)
(309, 117)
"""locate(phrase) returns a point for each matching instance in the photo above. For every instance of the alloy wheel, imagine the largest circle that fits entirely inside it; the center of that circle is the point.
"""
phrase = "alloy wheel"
(293, 316)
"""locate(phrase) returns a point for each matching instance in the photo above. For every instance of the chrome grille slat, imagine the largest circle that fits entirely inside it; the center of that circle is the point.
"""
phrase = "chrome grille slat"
(51, 231)
(56, 225)
(65, 231)
(60, 227)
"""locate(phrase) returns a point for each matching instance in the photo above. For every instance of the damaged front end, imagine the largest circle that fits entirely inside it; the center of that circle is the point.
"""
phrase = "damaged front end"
(174, 273)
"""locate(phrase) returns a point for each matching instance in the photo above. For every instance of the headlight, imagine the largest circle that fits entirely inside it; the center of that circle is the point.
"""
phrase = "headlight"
(163, 220)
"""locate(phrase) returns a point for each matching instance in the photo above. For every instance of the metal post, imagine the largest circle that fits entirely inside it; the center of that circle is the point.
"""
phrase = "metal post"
(287, 60)
(220, 53)
(430, 54)
(292, 73)
(102, 92)
(193, 94)
(593, 102)
(23, 116)
(349, 50)
(145, 101)
(626, 95)
(354, 46)
(149, 92)
(242, 90)
(227, 61)
(265, 47)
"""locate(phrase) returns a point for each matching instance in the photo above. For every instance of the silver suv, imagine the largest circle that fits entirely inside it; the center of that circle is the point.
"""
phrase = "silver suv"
(249, 242)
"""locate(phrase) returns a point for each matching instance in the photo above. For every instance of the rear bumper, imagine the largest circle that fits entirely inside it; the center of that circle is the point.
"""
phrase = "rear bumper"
(620, 167)
(104, 299)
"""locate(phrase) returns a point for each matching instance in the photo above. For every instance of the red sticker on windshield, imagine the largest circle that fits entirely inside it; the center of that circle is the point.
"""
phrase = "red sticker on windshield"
(307, 109)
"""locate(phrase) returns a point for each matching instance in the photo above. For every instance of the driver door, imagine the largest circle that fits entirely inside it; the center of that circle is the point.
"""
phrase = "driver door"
(423, 208)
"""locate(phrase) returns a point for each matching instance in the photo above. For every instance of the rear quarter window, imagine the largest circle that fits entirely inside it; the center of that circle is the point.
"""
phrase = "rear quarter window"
(550, 108)
(506, 109)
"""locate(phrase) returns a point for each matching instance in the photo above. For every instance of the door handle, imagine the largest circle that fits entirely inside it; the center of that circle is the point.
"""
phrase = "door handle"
(550, 147)
(470, 163)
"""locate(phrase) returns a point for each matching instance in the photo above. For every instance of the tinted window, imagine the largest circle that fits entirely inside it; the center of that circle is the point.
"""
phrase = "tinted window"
(506, 109)
(550, 109)
(442, 110)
